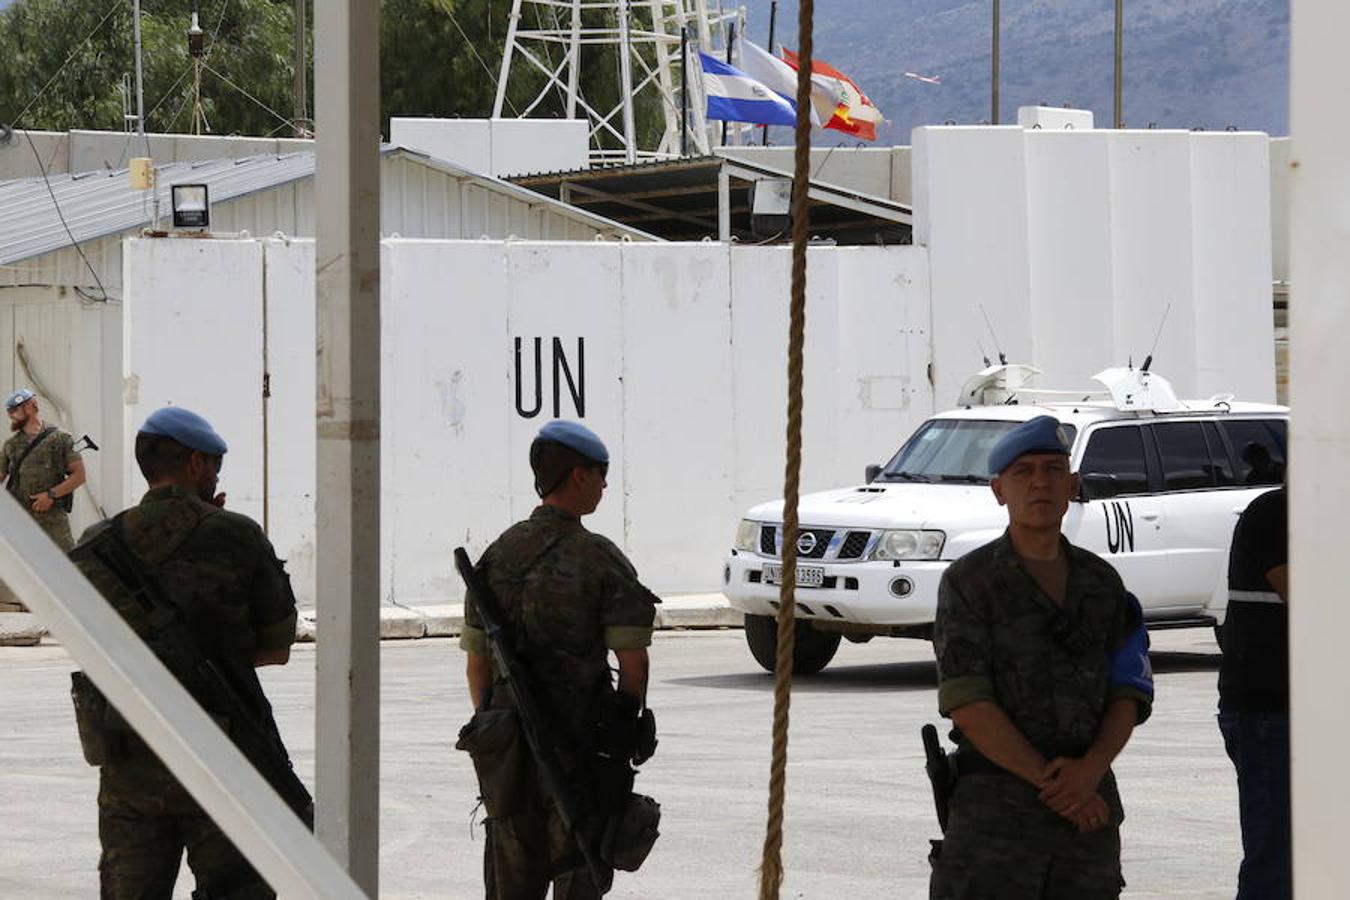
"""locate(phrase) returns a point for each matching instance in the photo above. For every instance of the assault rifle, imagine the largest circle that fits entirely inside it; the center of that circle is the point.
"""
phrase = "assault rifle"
(207, 680)
(540, 738)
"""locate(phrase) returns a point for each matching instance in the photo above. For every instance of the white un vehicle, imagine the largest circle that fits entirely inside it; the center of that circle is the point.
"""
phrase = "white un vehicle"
(1163, 482)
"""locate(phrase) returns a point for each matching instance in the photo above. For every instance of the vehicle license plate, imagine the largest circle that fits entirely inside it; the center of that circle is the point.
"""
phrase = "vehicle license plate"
(807, 576)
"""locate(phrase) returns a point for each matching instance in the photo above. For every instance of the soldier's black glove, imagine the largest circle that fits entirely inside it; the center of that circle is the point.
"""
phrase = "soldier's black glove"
(645, 745)
(626, 731)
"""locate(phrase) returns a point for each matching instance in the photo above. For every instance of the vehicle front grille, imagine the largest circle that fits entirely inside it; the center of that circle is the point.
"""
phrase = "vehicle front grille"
(854, 544)
(825, 543)
(819, 542)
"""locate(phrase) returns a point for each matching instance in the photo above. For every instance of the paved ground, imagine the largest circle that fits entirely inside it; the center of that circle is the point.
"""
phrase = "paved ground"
(859, 814)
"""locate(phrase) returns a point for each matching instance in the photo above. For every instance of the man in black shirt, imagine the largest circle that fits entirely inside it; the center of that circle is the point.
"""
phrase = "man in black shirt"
(1254, 694)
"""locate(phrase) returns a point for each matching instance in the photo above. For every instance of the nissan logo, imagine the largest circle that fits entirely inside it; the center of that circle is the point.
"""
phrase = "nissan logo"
(806, 542)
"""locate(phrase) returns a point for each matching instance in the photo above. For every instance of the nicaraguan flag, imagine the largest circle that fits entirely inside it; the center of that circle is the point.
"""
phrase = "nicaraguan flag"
(734, 96)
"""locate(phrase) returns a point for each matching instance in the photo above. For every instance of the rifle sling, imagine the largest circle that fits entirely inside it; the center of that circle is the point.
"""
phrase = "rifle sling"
(13, 484)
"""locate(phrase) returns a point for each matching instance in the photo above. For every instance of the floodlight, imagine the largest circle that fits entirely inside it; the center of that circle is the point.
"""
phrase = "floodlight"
(191, 206)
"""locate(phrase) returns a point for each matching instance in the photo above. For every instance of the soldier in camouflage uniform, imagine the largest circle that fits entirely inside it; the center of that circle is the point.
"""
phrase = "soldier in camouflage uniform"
(1043, 669)
(237, 598)
(51, 471)
(570, 597)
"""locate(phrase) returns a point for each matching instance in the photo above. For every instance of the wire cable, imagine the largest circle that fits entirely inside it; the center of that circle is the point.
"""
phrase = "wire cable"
(449, 11)
(279, 117)
(60, 215)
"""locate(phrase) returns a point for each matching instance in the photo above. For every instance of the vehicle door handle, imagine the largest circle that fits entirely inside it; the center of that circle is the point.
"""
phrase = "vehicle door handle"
(1149, 517)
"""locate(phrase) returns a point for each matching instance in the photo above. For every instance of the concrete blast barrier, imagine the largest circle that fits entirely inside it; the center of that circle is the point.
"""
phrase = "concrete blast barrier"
(1077, 243)
(673, 353)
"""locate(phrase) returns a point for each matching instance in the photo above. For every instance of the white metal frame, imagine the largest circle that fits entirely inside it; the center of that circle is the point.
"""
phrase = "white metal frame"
(194, 748)
(646, 36)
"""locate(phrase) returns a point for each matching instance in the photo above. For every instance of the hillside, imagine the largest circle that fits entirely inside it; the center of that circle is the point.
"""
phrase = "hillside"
(1209, 63)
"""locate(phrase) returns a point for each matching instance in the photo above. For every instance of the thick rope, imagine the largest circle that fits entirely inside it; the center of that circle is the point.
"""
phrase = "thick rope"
(771, 867)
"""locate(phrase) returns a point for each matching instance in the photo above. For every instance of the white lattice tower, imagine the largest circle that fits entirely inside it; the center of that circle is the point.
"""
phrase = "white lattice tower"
(547, 37)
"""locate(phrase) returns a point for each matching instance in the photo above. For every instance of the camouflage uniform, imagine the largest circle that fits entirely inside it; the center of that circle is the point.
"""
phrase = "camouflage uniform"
(44, 468)
(569, 597)
(238, 600)
(995, 639)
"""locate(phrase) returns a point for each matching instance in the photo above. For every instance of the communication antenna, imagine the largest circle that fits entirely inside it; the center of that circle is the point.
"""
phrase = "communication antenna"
(196, 49)
(987, 324)
(1148, 360)
(984, 356)
(561, 38)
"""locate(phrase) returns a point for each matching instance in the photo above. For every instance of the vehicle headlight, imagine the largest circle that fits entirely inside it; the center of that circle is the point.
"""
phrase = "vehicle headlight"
(910, 544)
(747, 536)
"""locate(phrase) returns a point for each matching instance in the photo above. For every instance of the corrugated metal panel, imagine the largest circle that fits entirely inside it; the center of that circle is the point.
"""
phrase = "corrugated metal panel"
(421, 197)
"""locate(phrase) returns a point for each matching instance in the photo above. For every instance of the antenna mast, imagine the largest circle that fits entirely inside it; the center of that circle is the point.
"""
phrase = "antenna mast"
(196, 48)
(645, 37)
(140, 83)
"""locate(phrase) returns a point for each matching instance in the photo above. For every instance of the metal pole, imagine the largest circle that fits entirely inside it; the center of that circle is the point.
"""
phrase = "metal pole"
(511, 22)
(1120, 56)
(731, 45)
(773, 24)
(300, 86)
(1319, 179)
(347, 207)
(574, 61)
(626, 84)
(684, 91)
(993, 70)
(140, 82)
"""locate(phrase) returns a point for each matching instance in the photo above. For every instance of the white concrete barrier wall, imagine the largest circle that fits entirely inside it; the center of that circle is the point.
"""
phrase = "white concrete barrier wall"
(675, 354)
(1076, 243)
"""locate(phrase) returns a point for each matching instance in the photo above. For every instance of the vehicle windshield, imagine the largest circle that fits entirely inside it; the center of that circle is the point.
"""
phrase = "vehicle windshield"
(952, 451)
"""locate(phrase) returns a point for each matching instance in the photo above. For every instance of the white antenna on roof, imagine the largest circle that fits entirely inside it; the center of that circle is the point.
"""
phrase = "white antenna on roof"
(1148, 360)
(987, 324)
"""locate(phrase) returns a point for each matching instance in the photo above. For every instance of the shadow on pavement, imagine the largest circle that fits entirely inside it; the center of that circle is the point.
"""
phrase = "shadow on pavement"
(910, 676)
(906, 676)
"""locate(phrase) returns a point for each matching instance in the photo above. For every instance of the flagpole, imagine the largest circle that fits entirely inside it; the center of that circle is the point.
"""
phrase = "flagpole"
(773, 22)
(731, 44)
(1120, 53)
(993, 100)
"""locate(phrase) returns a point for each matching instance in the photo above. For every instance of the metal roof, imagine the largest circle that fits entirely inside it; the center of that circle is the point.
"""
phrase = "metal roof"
(102, 204)
(679, 200)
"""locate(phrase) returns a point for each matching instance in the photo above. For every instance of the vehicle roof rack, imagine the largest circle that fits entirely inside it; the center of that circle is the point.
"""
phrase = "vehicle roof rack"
(1127, 388)
(1139, 390)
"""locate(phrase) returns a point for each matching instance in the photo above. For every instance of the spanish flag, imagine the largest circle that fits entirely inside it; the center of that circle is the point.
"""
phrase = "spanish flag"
(854, 113)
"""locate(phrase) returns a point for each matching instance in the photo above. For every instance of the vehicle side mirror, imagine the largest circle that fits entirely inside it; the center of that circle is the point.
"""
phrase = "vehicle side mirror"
(1095, 485)
(871, 472)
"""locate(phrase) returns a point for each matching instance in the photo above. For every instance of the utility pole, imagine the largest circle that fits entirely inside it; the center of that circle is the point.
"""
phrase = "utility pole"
(993, 72)
(1119, 121)
(301, 84)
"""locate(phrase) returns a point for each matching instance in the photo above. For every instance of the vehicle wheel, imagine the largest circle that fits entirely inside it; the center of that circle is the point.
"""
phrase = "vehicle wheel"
(812, 649)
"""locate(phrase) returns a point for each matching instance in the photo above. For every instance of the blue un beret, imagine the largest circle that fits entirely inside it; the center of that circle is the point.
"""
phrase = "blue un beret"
(187, 428)
(576, 436)
(1042, 434)
(18, 398)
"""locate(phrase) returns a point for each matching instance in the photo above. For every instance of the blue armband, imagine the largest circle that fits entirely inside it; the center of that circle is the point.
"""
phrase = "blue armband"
(1129, 663)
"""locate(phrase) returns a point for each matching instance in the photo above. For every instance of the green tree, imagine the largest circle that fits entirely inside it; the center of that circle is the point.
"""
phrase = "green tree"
(438, 58)
(246, 81)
